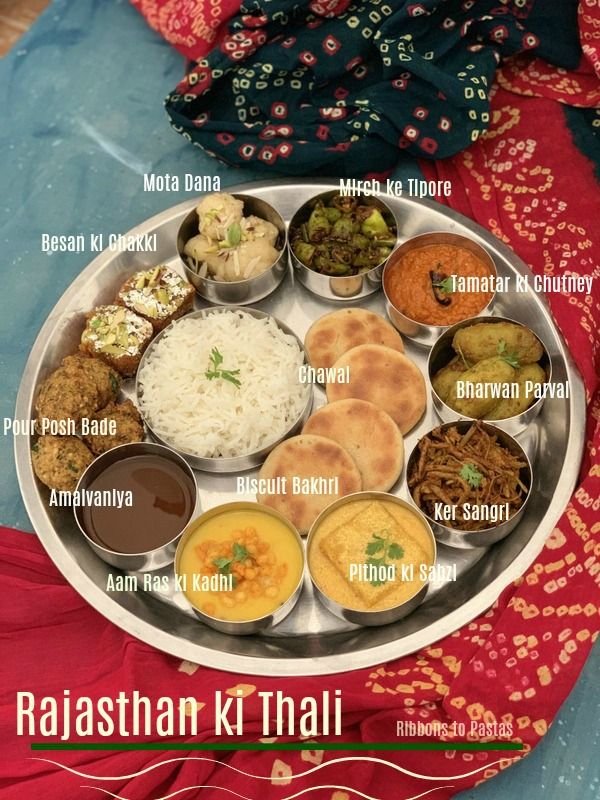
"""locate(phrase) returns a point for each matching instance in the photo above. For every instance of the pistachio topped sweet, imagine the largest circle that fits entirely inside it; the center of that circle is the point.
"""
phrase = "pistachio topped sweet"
(159, 295)
(116, 335)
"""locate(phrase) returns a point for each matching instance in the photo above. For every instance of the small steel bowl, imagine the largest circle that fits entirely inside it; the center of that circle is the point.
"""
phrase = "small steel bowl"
(149, 559)
(351, 287)
(421, 332)
(369, 618)
(235, 463)
(246, 291)
(471, 540)
(243, 627)
(442, 353)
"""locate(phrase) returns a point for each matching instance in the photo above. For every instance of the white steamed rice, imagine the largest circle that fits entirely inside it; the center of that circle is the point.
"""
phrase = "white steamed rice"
(214, 418)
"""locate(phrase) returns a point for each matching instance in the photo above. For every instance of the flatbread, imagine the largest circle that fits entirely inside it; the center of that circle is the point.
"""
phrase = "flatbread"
(386, 378)
(369, 434)
(308, 456)
(334, 334)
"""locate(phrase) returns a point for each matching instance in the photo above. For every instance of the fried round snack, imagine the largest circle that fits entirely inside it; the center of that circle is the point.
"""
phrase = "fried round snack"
(369, 434)
(511, 406)
(385, 377)
(59, 461)
(108, 380)
(77, 389)
(307, 463)
(128, 424)
(488, 339)
(485, 373)
(445, 378)
(334, 334)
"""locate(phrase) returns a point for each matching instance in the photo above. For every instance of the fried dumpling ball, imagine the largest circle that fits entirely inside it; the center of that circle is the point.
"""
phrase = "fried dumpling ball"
(59, 461)
(108, 381)
(229, 246)
(129, 427)
(77, 389)
(250, 258)
(483, 340)
(253, 254)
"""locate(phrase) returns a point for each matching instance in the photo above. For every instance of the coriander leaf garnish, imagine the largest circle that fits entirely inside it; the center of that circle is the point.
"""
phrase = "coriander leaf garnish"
(375, 546)
(446, 285)
(214, 369)
(228, 375)
(233, 236)
(216, 358)
(394, 551)
(224, 564)
(376, 562)
(239, 552)
(442, 285)
(471, 475)
(390, 551)
(510, 358)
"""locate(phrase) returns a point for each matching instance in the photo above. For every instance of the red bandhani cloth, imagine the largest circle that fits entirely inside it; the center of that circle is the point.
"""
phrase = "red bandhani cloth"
(191, 26)
(534, 78)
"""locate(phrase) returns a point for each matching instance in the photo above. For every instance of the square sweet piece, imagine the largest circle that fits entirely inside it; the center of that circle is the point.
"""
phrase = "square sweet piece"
(117, 336)
(347, 545)
(159, 295)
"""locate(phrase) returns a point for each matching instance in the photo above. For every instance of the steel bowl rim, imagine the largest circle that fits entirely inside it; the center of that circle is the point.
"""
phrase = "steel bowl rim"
(239, 505)
(496, 430)
(359, 196)
(181, 462)
(488, 319)
(227, 461)
(367, 495)
(439, 329)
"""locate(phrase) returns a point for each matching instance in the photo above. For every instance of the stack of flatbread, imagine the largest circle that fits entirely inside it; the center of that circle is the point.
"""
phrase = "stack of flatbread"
(358, 436)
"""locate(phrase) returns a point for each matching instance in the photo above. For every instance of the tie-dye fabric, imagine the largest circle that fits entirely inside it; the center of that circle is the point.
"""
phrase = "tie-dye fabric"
(344, 88)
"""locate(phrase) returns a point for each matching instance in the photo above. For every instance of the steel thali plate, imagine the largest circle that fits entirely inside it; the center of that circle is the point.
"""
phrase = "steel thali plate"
(311, 641)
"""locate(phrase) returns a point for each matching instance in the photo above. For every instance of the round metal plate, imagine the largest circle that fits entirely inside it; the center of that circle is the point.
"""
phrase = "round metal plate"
(311, 641)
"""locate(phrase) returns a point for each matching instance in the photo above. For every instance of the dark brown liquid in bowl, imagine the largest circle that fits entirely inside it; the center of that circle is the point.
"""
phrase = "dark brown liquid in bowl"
(163, 502)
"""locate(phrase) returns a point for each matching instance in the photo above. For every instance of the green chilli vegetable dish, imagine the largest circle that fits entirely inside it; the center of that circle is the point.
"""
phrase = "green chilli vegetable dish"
(342, 237)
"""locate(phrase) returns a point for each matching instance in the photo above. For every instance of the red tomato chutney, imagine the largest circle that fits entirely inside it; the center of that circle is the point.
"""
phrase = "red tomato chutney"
(422, 285)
